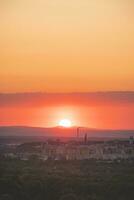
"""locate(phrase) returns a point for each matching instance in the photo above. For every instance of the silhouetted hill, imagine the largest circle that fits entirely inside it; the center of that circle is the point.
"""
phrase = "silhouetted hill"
(62, 132)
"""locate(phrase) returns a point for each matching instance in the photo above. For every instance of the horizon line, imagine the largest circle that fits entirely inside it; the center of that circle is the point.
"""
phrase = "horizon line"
(66, 128)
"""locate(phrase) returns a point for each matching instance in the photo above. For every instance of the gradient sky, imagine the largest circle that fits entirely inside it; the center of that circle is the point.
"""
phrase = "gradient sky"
(66, 46)
(95, 110)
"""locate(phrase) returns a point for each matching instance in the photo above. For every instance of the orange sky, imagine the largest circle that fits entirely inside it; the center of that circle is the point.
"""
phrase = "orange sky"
(95, 110)
(65, 46)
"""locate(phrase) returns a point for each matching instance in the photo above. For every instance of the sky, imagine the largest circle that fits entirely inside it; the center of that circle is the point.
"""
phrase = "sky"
(65, 50)
(101, 110)
(66, 46)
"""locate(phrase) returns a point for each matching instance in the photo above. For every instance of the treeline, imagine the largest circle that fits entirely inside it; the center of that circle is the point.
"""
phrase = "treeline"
(61, 180)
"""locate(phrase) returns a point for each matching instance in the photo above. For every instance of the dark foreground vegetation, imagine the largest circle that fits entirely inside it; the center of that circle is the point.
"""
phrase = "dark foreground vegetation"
(66, 180)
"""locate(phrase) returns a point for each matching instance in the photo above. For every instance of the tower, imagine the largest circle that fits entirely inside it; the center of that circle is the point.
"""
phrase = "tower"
(131, 140)
(85, 138)
(78, 131)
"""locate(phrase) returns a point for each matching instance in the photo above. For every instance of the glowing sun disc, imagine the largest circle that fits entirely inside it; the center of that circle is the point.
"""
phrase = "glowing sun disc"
(65, 123)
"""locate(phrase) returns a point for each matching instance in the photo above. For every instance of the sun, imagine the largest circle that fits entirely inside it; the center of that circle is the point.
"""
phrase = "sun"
(65, 123)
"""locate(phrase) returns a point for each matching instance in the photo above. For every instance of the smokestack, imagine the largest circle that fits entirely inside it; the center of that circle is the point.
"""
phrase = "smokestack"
(85, 138)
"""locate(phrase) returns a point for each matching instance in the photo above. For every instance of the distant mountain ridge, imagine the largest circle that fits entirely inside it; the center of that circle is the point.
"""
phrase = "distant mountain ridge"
(63, 132)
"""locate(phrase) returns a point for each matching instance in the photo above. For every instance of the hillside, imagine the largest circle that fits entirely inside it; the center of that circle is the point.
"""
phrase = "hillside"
(63, 132)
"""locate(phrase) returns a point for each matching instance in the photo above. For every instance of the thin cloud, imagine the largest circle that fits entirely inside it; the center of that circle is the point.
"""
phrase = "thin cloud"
(55, 99)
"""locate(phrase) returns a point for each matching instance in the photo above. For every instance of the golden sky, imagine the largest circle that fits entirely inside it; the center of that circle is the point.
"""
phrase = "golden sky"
(66, 46)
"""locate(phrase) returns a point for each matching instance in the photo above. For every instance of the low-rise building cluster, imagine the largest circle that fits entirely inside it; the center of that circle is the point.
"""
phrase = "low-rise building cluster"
(85, 152)
(73, 151)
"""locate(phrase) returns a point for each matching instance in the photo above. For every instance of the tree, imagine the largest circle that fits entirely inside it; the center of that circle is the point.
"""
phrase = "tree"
(69, 197)
(5, 197)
